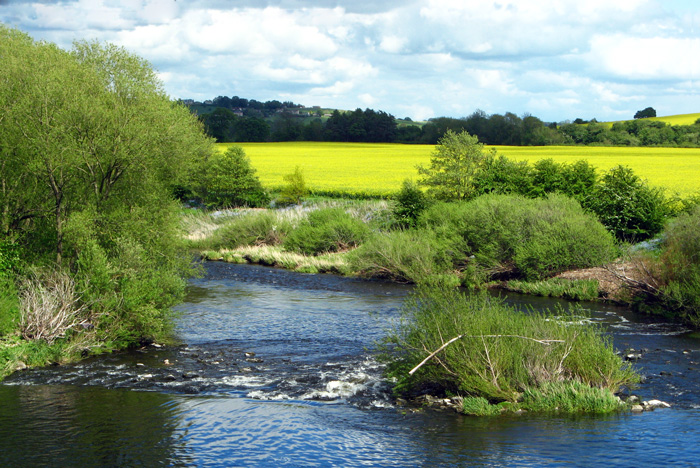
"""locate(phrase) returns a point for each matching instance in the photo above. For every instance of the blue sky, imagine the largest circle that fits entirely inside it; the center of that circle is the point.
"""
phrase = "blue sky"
(555, 59)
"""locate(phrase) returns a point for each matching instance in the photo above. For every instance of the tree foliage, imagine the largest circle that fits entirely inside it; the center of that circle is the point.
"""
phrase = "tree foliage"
(645, 113)
(230, 180)
(91, 149)
(453, 166)
(630, 209)
(410, 203)
(294, 189)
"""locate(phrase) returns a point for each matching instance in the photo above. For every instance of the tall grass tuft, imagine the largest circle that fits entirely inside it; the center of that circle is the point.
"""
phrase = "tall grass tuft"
(251, 228)
(500, 353)
(577, 290)
(278, 257)
(327, 230)
(570, 397)
(411, 256)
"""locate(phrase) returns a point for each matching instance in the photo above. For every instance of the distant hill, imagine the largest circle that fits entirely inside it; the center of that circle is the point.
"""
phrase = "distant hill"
(680, 119)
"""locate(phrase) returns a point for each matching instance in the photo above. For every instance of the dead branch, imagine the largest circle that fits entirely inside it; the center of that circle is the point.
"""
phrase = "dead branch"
(640, 285)
(445, 345)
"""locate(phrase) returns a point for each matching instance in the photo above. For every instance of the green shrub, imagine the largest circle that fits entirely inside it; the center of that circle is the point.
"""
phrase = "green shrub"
(575, 180)
(251, 228)
(327, 230)
(454, 164)
(9, 258)
(626, 205)
(410, 203)
(510, 235)
(128, 276)
(9, 307)
(230, 180)
(559, 236)
(294, 189)
(687, 204)
(9, 301)
(411, 256)
(680, 267)
(579, 179)
(503, 175)
(500, 353)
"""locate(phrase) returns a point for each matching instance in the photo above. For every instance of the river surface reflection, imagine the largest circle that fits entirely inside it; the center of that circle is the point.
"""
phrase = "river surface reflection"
(275, 370)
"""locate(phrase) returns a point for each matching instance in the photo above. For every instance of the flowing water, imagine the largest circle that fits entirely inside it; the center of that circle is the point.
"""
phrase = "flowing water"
(275, 369)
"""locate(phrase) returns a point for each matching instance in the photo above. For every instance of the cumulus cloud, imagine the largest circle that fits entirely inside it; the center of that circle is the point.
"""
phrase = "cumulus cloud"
(553, 58)
(646, 58)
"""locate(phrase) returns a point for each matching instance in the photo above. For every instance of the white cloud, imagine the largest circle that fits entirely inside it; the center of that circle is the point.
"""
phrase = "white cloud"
(85, 14)
(418, 112)
(650, 58)
(564, 58)
(367, 99)
(393, 44)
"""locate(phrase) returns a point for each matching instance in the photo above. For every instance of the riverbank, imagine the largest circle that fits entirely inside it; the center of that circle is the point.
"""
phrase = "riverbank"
(609, 283)
(318, 397)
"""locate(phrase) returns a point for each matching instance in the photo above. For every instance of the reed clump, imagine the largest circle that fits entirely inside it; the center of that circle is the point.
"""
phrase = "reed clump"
(501, 355)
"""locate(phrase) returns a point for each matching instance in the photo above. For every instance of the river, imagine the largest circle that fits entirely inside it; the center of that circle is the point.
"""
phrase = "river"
(275, 369)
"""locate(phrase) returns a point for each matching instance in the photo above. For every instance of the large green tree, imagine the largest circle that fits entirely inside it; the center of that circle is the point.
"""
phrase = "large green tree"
(457, 159)
(91, 150)
(229, 180)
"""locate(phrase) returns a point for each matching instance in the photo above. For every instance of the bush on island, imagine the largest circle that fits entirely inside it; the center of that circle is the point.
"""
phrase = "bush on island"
(500, 354)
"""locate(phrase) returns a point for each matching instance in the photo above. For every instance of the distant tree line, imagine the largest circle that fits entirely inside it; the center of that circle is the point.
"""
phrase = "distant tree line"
(251, 107)
(359, 126)
(496, 129)
(632, 133)
(241, 120)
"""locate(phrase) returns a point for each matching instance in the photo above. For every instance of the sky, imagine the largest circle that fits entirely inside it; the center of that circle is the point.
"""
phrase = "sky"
(555, 59)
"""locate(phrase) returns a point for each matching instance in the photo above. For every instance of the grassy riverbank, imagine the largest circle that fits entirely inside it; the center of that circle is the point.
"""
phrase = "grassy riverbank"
(569, 365)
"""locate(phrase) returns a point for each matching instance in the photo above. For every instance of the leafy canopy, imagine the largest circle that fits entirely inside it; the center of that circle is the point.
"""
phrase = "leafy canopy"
(453, 166)
(90, 150)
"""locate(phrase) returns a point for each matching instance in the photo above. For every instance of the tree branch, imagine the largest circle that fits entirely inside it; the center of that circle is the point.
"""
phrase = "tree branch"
(544, 342)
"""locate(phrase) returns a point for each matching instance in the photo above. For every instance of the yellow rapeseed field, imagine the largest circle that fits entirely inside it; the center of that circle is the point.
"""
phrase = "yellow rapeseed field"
(379, 169)
(680, 119)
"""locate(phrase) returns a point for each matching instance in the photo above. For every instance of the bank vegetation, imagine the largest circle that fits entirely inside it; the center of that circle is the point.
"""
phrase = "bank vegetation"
(108, 188)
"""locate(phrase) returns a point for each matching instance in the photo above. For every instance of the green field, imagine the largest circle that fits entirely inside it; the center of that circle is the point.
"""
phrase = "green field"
(379, 169)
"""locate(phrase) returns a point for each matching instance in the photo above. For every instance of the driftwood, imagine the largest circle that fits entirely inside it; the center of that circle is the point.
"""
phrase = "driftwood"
(647, 283)
(434, 353)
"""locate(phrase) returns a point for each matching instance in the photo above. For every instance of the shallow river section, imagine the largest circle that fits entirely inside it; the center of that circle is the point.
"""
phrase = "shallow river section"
(275, 369)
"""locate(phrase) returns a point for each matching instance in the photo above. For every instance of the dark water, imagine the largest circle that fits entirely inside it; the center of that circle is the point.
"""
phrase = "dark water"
(274, 371)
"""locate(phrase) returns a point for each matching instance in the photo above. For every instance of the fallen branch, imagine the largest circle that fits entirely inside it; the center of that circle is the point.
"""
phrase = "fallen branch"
(544, 342)
(634, 283)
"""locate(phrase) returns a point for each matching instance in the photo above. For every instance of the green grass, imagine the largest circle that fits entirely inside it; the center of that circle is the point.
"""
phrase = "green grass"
(379, 169)
(680, 119)
(552, 397)
(579, 290)
(477, 346)
(278, 257)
